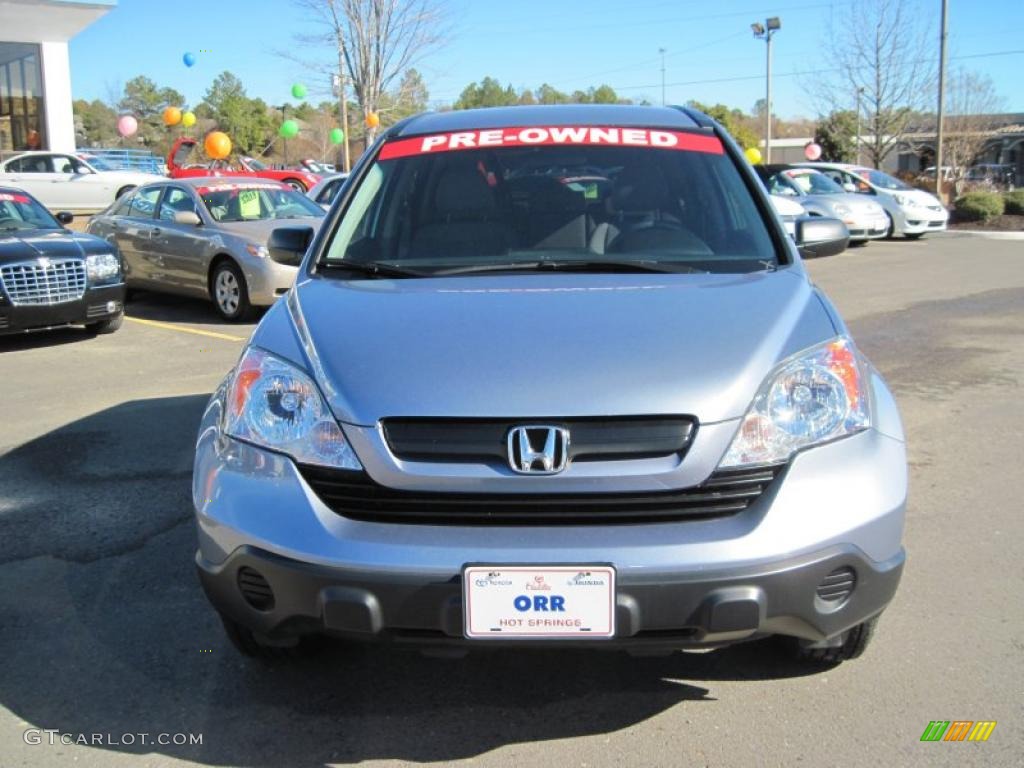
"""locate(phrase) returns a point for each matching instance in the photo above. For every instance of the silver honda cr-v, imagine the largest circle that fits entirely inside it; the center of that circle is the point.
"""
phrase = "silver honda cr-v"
(552, 375)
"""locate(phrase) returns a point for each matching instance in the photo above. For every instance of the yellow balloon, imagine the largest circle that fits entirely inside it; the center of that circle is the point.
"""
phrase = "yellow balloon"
(188, 119)
(753, 155)
(172, 116)
(372, 120)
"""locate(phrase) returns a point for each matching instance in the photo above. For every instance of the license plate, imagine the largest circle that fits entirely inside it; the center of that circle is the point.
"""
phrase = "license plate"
(539, 602)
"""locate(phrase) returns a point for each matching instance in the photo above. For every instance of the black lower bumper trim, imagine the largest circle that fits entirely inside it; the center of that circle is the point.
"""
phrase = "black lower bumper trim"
(91, 308)
(664, 609)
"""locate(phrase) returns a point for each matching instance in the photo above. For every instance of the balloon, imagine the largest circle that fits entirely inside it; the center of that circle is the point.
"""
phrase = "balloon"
(172, 116)
(372, 120)
(289, 129)
(188, 119)
(217, 145)
(299, 91)
(337, 136)
(753, 155)
(189, 59)
(812, 151)
(127, 125)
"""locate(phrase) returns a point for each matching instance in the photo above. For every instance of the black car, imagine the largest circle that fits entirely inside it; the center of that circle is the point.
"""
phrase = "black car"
(51, 277)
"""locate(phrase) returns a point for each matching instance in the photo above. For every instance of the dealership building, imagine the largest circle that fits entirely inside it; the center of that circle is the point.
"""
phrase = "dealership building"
(35, 73)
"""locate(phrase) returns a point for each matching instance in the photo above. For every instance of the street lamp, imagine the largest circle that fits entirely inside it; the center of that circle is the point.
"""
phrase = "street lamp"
(766, 32)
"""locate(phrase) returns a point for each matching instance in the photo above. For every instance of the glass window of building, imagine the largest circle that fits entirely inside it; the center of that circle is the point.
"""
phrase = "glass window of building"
(22, 125)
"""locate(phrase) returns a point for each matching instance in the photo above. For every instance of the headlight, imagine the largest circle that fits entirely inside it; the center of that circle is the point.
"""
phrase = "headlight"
(259, 251)
(274, 405)
(814, 397)
(102, 267)
(841, 210)
(902, 200)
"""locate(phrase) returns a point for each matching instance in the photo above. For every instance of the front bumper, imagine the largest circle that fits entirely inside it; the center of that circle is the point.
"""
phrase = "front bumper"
(868, 227)
(915, 221)
(93, 307)
(669, 608)
(266, 280)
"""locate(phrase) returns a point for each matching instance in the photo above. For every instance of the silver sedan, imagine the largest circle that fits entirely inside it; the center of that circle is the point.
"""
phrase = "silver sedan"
(821, 196)
(206, 237)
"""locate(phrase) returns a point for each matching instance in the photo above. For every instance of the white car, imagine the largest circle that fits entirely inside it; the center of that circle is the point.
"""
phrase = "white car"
(789, 211)
(67, 183)
(912, 212)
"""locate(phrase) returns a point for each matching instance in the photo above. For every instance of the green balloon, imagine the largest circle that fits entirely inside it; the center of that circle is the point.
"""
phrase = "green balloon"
(299, 91)
(337, 136)
(289, 129)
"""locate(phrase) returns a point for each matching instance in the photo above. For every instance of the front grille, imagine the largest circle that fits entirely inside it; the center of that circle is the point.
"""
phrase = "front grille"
(838, 585)
(356, 496)
(486, 440)
(43, 283)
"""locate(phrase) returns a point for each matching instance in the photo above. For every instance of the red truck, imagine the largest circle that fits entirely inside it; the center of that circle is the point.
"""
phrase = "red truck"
(296, 178)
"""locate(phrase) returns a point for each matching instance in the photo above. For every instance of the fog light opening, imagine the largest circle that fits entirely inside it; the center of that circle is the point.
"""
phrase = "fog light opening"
(255, 589)
(836, 588)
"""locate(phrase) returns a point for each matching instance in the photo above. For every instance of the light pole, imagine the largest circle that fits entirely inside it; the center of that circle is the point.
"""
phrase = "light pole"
(860, 92)
(662, 52)
(766, 32)
(942, 102)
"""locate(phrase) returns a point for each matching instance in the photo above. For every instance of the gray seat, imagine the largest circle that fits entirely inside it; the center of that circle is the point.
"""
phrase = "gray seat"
(466, 220)
(556, 217)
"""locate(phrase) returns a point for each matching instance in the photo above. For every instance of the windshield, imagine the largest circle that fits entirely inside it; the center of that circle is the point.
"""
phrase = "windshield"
(881, 180)
(256, 202)
(657, 198)
(813, 183)
(254, 164)
(18, 211)
(98, 164)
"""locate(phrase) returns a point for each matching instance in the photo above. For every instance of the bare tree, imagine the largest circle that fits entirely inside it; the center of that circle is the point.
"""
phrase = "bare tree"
(373, 42)
(880, 48)
(972, 99)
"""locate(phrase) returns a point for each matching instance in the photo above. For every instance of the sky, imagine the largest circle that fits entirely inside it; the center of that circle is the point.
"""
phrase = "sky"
(711, 54)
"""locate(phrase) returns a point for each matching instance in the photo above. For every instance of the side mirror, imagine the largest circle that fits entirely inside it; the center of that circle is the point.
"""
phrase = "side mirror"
(190, 218)
(850, 186)
(65, 217)
(821, 236)
(287, 245)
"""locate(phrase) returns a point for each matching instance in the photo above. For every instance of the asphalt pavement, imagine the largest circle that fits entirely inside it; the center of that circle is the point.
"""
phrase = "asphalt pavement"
(105, 634)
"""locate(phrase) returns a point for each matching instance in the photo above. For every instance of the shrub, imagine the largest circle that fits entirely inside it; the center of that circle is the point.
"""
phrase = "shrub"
(1014, 201)
(979, 206)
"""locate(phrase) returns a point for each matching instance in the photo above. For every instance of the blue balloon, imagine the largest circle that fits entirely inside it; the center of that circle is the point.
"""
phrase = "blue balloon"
(189, 59)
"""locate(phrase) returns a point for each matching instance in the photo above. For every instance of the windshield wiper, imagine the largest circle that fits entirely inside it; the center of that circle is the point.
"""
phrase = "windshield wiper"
(371, 268)
(595, 265)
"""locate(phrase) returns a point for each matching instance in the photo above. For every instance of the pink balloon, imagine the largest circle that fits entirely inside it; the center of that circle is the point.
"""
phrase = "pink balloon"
(127, 125)
(812, 151)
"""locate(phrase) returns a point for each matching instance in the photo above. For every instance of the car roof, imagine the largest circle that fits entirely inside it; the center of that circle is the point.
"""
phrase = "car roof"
(206, 181)
(628, 115)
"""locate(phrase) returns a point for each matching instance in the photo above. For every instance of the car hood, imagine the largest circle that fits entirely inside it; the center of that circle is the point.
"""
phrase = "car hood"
(138, 178)
(527, 346)
(35, 243)
(259, 231)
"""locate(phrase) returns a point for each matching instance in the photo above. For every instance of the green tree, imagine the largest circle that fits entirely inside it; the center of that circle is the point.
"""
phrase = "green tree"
(95, 123)
(488, 93)
(548, 94)
(144, 99)
(837, 135)
(733, 120)
(247, 121)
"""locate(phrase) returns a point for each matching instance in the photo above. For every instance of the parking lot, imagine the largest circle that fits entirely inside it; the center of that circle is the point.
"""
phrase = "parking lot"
(106, 631)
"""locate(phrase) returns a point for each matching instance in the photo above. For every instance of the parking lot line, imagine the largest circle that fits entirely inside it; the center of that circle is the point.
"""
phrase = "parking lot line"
(183, 329)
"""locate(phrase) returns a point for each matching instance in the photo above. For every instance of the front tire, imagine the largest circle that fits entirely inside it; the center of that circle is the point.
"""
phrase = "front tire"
(229, 292)
(109, 325)
(123, 191)
(854, 644)
(915, 236)
(890, 233)
(297, 185)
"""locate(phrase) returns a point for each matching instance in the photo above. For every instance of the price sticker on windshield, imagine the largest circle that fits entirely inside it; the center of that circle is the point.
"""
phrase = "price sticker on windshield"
(249, 204)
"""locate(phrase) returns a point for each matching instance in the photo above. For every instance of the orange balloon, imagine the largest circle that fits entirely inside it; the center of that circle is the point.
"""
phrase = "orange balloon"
(172, 116)
(372, 120)
(217, 145)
